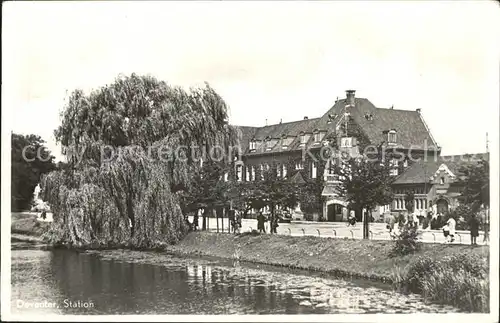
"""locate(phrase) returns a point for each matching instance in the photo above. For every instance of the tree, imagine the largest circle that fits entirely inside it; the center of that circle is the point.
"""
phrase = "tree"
(476, 180)
(476, 193)
(129, 146)
(30, 159)
(365, 184)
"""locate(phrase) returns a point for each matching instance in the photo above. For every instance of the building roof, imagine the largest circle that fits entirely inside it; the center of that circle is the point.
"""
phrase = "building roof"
(297, 178)
(411, 130)
(421, 171)
(245, 134)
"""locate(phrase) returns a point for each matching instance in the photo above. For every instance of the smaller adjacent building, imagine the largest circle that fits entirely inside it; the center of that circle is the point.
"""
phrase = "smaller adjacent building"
(435, 183)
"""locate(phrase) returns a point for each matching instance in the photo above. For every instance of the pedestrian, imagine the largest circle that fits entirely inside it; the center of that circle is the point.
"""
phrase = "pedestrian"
(274, 224)
(352, 219)
(474, 229)
(410, 220)
(451, 224)
(232, 219)
(260, 223)
(195, 221)
(446, 232)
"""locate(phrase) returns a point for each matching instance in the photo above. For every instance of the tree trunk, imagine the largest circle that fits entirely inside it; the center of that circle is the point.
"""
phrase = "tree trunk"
(204, 225)
(366, 224)
(217, 218)
(271, 226)
(222, 212)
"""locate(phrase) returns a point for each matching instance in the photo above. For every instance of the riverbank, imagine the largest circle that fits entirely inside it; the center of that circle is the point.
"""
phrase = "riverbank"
(443, 273)
(26, 224)
(457, 269)
(345, 257)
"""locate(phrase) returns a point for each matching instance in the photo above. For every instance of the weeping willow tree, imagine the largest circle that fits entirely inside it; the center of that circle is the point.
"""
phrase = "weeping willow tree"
(131, 147)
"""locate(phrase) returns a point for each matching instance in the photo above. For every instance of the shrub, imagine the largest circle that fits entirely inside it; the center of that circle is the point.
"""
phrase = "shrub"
(406, 242)
(250, 233)
(460, 280)
(308, 216)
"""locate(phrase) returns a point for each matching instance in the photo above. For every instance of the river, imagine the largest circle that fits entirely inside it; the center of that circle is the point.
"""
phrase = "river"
(133, 282)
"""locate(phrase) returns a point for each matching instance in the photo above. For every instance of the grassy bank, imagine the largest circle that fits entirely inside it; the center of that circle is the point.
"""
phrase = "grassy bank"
(27, 224)
(459, 277)
(363, 258)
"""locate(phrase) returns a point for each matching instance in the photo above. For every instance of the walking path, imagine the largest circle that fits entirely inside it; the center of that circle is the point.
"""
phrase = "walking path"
(378, 231)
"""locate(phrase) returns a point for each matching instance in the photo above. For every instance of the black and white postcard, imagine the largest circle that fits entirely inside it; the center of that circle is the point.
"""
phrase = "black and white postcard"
(250, 161)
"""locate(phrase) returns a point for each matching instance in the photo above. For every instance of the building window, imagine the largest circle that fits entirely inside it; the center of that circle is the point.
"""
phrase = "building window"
(284, 170)
(302, 139)
(239, 173)
(314, 170)
(346, 142)
(441, 181)
(268, 144)
(298, 165)
(317, 137)
(394, 170)
(226, 176)
(391, 137)
(253, 145)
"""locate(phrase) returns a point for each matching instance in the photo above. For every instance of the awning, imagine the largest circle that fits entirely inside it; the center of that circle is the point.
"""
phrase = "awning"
(330, 190)
(336, 201)
(297, 179)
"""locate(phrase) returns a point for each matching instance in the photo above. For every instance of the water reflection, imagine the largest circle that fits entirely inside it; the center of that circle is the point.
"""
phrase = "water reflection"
(151, 283)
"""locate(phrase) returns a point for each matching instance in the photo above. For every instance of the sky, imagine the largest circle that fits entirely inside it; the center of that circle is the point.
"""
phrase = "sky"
(270, 61)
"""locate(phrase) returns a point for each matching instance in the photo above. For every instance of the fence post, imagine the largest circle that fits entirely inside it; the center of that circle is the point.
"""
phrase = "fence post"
(303, 232)
(289, 231)
(319, 235)
(250, 228)
(334, 232)
(459, 237)
(434, 235)
(371, 234)
(352, 234)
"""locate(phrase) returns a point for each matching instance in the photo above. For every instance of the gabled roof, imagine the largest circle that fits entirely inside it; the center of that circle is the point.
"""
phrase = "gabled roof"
(288, 128)
(411, 131)
(421, 171)
(297, 178)
(245, 134)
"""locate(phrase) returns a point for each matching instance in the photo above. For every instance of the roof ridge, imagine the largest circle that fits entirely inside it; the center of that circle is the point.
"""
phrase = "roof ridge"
(277, 124)
(389, 109)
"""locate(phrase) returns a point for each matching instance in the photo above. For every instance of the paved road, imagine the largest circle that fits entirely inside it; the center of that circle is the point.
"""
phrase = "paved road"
(340, 230)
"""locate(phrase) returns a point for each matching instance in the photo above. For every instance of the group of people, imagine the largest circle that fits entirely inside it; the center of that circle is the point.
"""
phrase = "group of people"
(446, 224)
(261, 220)
(234, 220)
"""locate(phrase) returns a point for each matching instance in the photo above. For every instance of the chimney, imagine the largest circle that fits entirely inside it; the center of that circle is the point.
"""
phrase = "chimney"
(419, 110)
(350, 98)
(306, 118)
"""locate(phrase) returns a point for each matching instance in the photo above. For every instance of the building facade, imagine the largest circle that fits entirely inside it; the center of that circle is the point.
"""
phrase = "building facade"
(356, 125)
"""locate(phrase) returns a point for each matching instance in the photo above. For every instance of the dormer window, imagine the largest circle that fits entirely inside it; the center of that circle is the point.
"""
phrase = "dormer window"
(346, 142)
(441, 181)
(268, 144)
(302, 139)
(317, 137)
(391, 136)
(284, 142)
(253, 145)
